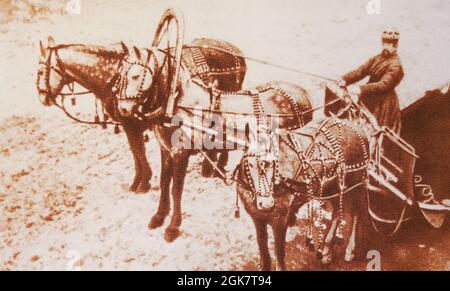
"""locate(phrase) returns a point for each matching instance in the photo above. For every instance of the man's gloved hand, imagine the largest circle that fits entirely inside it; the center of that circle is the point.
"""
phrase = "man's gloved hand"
(354, 90)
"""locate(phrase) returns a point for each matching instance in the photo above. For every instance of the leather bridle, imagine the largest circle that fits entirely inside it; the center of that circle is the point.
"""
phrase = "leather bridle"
(49, 67)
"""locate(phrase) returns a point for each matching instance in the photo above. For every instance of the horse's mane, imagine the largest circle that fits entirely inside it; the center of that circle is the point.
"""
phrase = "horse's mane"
(113, 51)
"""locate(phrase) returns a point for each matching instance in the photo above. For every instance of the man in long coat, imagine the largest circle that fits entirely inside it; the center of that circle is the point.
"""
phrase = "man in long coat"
(386, 72)
(378, 95)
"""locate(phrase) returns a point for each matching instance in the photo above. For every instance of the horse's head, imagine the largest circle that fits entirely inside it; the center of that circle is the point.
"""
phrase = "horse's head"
(135, 78)
(259, 170)
(50, 75)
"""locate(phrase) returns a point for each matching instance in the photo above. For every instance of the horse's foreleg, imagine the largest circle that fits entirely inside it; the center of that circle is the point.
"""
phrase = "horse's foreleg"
(292, 214)
(261, 236)
(223, 161)
(180, 163)
(279, 233)
(363, 229)
(327, 254)
(165, 180)
(360, 225)
(350, 250)
(132, 137)
(146, 171)
(207, 168)
(143, 172)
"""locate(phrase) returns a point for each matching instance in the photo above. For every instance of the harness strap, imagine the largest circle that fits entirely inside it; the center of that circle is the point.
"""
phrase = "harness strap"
(68, 114)
(332, 196)
(267, 63)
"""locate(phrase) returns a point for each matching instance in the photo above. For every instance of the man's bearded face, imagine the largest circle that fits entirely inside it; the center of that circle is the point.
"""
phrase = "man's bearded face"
(389, 48)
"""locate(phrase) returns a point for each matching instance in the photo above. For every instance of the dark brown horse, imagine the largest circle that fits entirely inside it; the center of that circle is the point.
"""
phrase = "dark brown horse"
(200, 106)
(146, 77)
(426, 126)
(327, 161)
(94, 68)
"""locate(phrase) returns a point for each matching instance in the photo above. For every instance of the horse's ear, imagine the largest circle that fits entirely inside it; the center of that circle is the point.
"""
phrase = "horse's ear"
(445, 88)
(43, 51)
(137, 52)
(51, 42)
(124, 48)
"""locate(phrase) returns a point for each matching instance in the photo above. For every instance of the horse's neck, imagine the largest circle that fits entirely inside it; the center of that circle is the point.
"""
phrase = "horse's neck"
(157, 95)
(90, 66)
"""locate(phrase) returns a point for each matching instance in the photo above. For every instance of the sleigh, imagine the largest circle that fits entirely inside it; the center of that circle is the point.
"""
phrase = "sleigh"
(393, 184)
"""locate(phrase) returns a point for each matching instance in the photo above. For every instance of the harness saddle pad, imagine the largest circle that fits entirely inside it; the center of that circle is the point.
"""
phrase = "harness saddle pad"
(211, 60)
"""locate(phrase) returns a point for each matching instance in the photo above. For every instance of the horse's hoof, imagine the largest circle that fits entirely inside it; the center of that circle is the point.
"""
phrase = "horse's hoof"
(171, 234)
(156, 221)
(133, 187)
(326, 258)
(143, 187)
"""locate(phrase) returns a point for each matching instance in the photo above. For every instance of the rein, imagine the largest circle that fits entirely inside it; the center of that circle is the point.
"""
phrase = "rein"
(70, 115)
(265, 63)
(187, 108)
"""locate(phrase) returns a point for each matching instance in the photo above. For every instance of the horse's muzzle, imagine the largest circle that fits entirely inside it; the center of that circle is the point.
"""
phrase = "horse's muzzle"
(126, 108)
(45, 99)
(265, 203)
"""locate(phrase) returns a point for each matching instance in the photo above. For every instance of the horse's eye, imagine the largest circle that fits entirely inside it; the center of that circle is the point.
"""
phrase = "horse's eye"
(135, 77)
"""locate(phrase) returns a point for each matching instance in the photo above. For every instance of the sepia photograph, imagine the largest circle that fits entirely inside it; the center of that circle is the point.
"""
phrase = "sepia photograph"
(238, 135)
